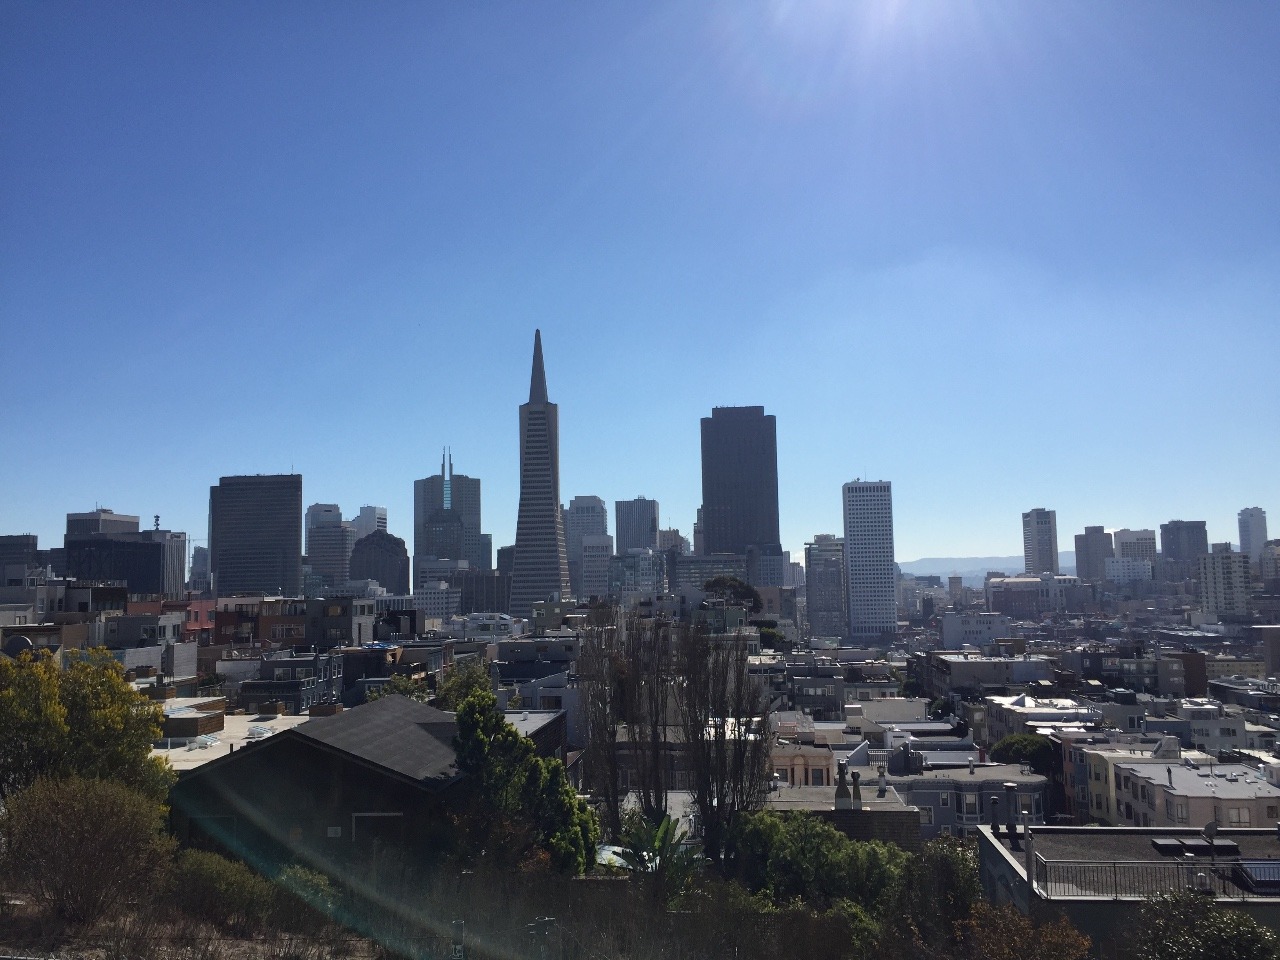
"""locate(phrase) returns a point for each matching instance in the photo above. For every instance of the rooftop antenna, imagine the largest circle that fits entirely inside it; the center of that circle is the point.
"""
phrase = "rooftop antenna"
(157, 521)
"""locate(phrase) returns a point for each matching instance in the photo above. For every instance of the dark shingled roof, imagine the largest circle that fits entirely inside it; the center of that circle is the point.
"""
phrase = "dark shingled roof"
(394, 732)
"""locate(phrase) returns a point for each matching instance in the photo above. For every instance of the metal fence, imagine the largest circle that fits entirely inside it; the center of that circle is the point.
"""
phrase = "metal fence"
(1136, 879)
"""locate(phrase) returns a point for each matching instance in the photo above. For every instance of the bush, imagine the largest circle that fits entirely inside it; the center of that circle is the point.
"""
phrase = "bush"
(79, 847)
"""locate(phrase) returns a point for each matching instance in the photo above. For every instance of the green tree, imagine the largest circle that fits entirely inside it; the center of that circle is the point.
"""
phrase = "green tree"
(935, 892)
(659, 856)
(800, 857)
(516, 786)
(82, 847)
(1030, 748)
(461, 680)
(734, 590)
(1189, 926)
(84, 720)
(1003, 933)
(400, 685)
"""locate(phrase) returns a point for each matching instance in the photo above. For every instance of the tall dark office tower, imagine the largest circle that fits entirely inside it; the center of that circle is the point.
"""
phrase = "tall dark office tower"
(825, 591)
(636, 523)
(1183, 540)
(382, 557)
(1093, 548)
(255, 535)
(541, 566)
(446, 518)
(739, 480)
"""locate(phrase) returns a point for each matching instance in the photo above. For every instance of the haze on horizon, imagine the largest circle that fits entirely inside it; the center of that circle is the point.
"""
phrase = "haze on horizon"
(1004, 255)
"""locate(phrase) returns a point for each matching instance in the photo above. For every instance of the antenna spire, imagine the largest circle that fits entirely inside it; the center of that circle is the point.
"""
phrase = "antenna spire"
(538, 379)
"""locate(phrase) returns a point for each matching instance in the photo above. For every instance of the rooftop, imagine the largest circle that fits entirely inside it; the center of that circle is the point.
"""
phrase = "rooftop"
(238, 732)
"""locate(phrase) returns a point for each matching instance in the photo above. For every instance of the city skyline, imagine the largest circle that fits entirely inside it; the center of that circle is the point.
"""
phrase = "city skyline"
(888, 225)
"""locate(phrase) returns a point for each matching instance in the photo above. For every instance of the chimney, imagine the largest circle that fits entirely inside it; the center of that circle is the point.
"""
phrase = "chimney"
(995, 816)
(1011, 813)
(971, 766)
(844, 800)
(884, 782)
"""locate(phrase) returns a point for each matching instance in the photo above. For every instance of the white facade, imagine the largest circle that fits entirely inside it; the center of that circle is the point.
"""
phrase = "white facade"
(1224, 584)
(370, 520)
(1135, 544)
(1253, 533)
(974, 629)
(1040, 541)
(1126, 570)
(869, 568)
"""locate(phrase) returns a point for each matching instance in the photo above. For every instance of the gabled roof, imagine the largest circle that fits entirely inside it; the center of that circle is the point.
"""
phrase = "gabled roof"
(393, 732)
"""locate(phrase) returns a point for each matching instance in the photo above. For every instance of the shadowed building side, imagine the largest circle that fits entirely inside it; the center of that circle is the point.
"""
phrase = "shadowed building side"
(541, 567)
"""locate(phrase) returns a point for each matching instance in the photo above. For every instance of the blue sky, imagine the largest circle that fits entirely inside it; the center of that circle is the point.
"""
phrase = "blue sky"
(1003, 254)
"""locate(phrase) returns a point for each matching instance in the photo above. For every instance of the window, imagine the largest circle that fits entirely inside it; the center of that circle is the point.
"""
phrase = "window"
(946, 799)
(1237, 816)
(1273, 813)
(926, 815)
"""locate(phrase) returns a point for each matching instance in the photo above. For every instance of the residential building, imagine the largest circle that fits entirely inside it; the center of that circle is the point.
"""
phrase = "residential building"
(1031, 596)
(1225, 583)
(947, 674)
(635, 525)
(255, 535)
(1173, 795)
(1040, 541)
(1213, 729)
(639, 572)
(826, 595)
(1135, 544)
(870, 572)
(1023, 713)
(1093, 548)
(739, 480)
(1253, 533)
(541, 567)
(1186, 540)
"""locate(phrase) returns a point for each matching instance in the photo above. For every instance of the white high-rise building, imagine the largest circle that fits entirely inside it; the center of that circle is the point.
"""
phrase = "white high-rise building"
(1224, 583)
(370, 520)
(1135, 544)
(869, 567)
(1253, 533)
(1040, 541)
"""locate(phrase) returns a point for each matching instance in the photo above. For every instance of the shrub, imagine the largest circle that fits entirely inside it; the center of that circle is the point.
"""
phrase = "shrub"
(222, 892)
(79, 847)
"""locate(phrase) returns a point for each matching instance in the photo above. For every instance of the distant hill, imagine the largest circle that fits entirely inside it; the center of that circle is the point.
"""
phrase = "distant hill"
(974, 569)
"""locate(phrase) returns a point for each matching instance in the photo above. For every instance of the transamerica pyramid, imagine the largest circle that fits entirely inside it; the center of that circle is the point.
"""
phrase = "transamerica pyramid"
(541, 568)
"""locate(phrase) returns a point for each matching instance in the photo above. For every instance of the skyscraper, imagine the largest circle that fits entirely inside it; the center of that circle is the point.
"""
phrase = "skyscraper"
(382, 557)
(1183, 540)
(1093, 549)
(446, 518)
(255, 535)
(1040, 541)
(1253, 533)
(329, 540)
(739, 480)
(368, 520)
(869, 568)
(825, 595)
(584, 517)
(1135, 544)
(636, 524)
(540, 566)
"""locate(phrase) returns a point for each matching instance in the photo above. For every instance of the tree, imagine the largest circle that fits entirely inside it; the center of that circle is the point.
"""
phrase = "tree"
(734, 589)
(85, 720)
(1190, 926)
(724, 726)
(400, 685)
(461, 680)
(1002, 933)
(518, 789)
(600, 676)
(659, 856)
(1030, 748)
(802, 858)
(936, 891)
(81, 847)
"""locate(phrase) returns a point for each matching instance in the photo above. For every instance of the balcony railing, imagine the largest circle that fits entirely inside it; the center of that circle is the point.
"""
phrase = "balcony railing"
(1139, 879)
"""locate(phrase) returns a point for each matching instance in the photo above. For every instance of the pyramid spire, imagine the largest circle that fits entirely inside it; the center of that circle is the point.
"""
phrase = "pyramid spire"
(538, 379)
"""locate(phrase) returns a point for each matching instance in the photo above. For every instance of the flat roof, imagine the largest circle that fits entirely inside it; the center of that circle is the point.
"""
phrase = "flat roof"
(235, 733)
(824, 798)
